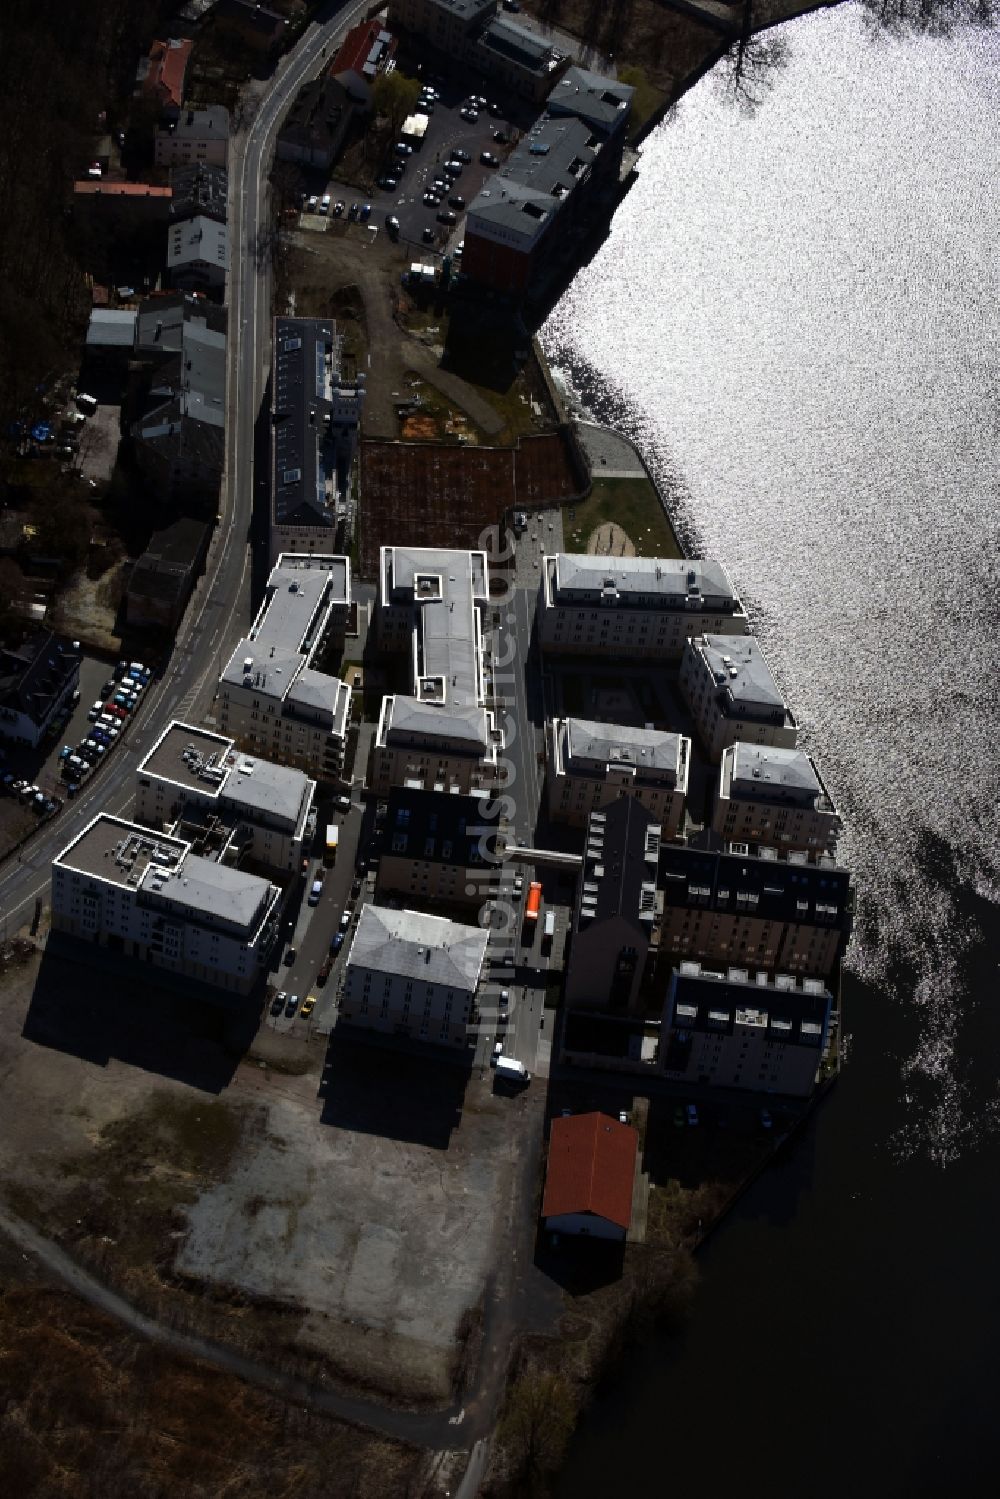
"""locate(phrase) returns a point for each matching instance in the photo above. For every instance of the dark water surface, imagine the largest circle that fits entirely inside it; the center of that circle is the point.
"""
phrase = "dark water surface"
(796, 316)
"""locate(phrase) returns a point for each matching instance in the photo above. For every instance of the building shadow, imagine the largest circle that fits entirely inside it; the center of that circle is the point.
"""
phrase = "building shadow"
(375, 1087)
(102, 1007)
(577, 1264)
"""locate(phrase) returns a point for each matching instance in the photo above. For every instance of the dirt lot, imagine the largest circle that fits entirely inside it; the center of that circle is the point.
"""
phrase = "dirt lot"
(72, 1378)
(360, 1201)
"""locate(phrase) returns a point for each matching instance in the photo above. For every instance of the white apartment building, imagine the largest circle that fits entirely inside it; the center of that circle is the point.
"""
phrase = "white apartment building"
(148, 896)
(272, 700)
(441, 736)
(413, 975)
(636, 607)
(774, 796)
(739, 1029)
(315, 425)
(729, 688)
(200, 788)
(197, 135)
(591, 764)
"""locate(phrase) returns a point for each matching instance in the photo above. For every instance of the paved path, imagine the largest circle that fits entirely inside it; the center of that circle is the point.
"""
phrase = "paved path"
(609, 453)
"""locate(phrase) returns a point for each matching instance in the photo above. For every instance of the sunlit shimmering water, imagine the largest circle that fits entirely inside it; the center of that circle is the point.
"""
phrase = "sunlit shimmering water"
(796, 316)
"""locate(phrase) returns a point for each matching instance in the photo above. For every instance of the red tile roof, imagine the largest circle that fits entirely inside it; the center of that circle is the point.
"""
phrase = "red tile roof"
(167, 65)
(591, 1168)
(356, 47)
(106, 189)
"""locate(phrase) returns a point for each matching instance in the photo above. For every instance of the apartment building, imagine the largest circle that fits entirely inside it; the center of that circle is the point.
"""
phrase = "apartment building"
(198, 255)
(315, 423)
(180, 360)
(315, 128)
(732, 695)
(198, 190)
(448, 26)
(38, 679)
(615, 918)
(413, 975)
(272, 698)
(160, 75)
(592, 764)
(162, 580)
(149, 896)
(439, 848)
(441, 736)
(636, 607)
(471, 32)
(366, 51)
(773, 796)
(195, 136)
(562, 176)
(200, 788)
(786, 912)
(737, 1029)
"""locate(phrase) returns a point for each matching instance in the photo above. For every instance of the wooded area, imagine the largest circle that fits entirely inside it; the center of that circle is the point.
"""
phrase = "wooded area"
(60, 66)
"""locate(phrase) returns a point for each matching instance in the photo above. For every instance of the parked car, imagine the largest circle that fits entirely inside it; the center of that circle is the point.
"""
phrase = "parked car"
(392, 226)
(470, 115)
(388, 184)
(458, 154)
(95, 712)
(338, 209)
(345, 921)
(337, 942)
(488, 159)
(278, 1002)
(352, 212)
(402, 149)
(428, 235)
(454, 168)
(308, 1005)
(291, 1004)
(290, 956)
(692, 1113)
(366, 212)
(431, 200)
(446, 216)
(312, 203)
(766, 1122)
(456, 202)
(324, 203)
(342, 803)
(501, 137)
(495, 110)
(324, 972)
(622, 1116)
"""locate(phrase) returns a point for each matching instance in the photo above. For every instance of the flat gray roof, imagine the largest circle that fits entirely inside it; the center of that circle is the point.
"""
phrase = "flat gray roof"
(301, 591)
(167, 758)
(135, 858)
(737, 663)
(119, 852)
(201, 124)
(602, 102)
(196, 239)
(757, 769)
(443, 587)
(652, 750)
(200, 887)
(407, 715)
(211, 767)
(652, 582)
(111, 327)
(414, 945)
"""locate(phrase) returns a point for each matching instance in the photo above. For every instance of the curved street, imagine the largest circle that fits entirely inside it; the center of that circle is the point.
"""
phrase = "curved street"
(220, 609)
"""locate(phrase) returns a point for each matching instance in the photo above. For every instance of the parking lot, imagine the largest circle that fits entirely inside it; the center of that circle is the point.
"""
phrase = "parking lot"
(447, 132)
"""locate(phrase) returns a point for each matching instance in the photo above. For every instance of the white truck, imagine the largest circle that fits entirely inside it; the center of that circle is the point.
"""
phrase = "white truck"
(513, 1070)
(549, 929)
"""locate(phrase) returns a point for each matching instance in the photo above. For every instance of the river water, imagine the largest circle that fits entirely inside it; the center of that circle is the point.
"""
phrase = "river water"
(795, 315)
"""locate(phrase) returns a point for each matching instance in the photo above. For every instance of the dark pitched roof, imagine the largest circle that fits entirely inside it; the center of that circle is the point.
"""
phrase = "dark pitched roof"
(35, 672)
(759, 882)
(436, 827)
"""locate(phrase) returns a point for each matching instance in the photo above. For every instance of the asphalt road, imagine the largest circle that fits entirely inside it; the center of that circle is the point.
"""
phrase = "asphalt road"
(221, 607)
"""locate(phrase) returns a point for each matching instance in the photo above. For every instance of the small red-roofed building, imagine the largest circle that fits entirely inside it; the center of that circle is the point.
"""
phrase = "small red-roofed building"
(590, 1176)
(365, 52)
(161, 74)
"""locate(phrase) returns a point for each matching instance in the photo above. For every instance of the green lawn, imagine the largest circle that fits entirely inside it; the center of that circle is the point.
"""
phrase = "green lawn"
(634, 505)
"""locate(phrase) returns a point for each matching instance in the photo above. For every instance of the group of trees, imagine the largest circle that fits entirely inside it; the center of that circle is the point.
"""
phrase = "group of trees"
(60, 66)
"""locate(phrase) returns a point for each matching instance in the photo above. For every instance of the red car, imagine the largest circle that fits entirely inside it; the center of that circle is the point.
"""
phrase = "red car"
(116, 710)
